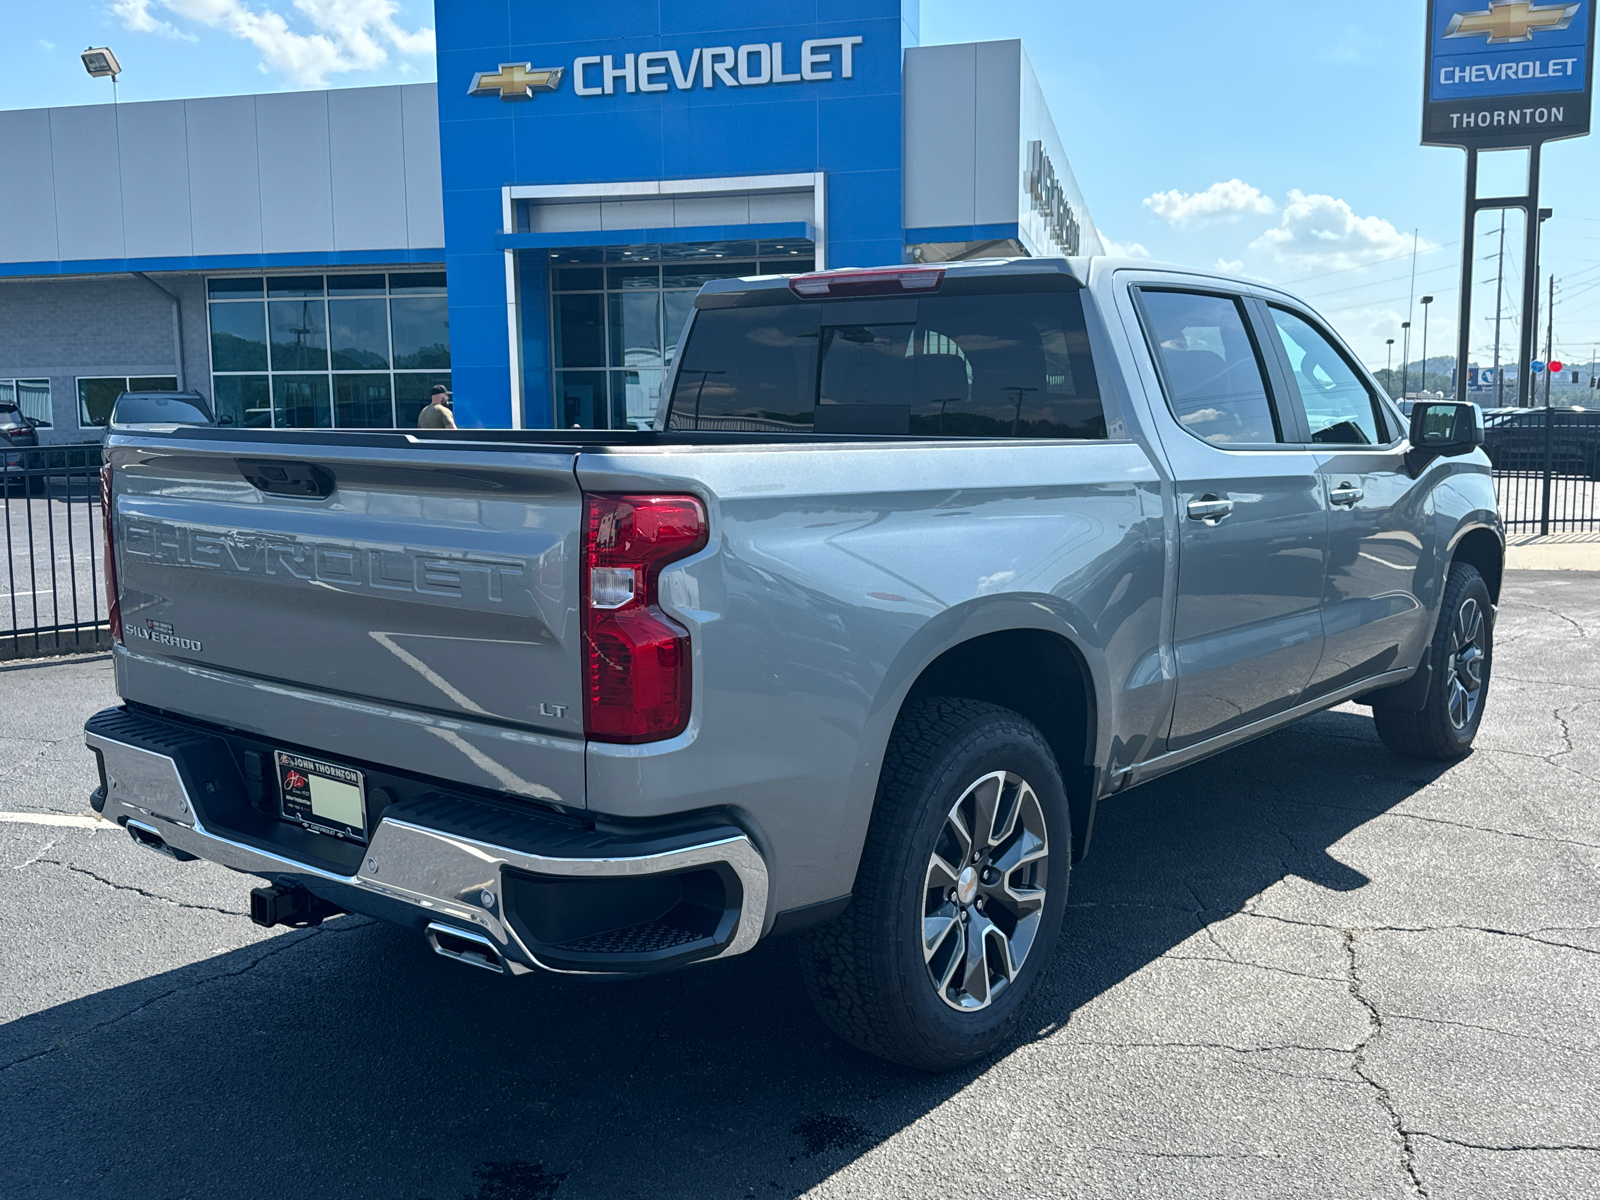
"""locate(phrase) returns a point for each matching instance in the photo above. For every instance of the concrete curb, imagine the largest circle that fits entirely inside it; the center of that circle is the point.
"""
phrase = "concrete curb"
(1554, 552)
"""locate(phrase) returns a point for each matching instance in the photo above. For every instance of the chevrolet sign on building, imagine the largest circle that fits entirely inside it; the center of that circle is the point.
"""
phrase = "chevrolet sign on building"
(1506, 73)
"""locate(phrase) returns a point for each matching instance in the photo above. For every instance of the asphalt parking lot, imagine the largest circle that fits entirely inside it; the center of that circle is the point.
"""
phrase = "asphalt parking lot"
(1303, 969)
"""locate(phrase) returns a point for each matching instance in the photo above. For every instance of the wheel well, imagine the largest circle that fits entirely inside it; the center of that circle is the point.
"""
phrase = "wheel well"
(1042, 676)
(1482, 549)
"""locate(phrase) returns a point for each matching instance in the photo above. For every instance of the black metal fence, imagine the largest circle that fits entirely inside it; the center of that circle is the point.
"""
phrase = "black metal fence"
(52, 593)
(1546, 468)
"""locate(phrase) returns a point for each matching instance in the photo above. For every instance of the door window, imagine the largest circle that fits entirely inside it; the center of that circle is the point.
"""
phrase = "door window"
(1340, 409)
(1213, 374)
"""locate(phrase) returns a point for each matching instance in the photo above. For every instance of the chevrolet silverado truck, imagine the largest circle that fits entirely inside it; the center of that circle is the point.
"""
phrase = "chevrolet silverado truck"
(916, 567)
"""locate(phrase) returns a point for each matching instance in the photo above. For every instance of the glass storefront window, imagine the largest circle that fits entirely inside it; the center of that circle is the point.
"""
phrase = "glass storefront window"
(31, 398)
(243, 400)
(96, 395)
(421, 331)
(299, 333)
(238, 337)
(362, 350)
(359, 334)
(301, 402)
(363, 401)
(625, 308)
(411, 392)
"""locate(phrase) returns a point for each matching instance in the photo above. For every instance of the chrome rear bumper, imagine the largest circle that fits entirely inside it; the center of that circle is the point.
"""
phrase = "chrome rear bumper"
(443, 875)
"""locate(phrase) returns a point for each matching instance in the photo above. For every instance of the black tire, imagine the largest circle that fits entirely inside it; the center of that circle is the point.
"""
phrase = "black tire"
(867, 972)
(1461, 653)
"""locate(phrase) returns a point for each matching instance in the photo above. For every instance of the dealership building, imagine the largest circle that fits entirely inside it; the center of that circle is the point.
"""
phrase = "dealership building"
(530, 231)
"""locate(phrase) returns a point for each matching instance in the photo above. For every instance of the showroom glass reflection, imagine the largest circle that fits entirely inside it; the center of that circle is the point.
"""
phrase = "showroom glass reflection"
(358, 351)
(616, 316)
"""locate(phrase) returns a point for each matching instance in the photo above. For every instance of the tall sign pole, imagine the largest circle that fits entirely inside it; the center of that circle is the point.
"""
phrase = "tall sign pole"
(1506, 75)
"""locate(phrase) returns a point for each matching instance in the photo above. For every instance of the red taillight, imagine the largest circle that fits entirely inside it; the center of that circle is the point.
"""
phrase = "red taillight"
(875, 281)
(637, 685)
(108, 536)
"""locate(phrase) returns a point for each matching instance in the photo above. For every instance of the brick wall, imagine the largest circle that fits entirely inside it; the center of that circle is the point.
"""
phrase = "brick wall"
(61, 329)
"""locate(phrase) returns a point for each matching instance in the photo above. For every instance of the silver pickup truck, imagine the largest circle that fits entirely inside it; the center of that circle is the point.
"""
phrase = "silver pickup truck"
(917, 567)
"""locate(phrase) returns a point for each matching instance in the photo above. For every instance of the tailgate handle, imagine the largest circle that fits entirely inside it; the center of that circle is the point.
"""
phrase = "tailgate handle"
(277, 478)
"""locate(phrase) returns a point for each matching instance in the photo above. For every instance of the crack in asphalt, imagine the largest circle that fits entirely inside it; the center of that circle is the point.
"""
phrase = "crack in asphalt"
(128, 887)
(1359, 1063)
(1582, 632)
(1227, 1046)
(1529, 1037)
(38, 856)
(1180, 1154)
(1579, 1147)
(1510, 933)
(1234, 961)
(276, 948)
(1511, 833)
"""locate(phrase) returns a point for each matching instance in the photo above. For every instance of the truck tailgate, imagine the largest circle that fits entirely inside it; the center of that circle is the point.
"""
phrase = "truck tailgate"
(427, 580)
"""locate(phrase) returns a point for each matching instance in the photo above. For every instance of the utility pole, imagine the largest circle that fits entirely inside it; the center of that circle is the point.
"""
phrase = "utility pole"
(1388, 365)
(1499, 291)
(1427, 306)
(1550, 340)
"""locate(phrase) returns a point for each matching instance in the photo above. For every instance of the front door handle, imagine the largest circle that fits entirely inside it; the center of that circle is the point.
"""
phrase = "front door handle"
(1210, 508)
(1347, 493)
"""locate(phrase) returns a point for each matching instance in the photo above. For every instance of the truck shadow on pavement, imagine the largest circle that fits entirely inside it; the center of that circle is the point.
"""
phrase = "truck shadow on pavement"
(351, 1062)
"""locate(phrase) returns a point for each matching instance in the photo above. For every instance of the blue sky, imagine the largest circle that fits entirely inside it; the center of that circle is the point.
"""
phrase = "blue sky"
(1274, 138)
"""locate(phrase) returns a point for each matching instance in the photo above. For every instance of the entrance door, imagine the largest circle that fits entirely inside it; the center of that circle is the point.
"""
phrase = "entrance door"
(1253, 515)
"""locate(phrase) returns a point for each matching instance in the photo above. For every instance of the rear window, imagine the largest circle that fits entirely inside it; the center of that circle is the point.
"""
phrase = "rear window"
(941, 366)
(135, 409)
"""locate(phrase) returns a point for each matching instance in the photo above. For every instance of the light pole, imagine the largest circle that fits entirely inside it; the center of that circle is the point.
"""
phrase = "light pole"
(1405, 360)
(1388, 364)
(1427, 304)
(100, 62)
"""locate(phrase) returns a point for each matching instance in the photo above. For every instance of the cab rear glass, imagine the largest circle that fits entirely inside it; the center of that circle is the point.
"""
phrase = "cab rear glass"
(980, 366)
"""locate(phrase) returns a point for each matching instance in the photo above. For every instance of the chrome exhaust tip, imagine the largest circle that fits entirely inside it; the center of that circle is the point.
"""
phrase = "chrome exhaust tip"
(150, 839)
(463, 945)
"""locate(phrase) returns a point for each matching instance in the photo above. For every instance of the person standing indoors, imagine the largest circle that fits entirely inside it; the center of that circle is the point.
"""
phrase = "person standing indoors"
(436, 413)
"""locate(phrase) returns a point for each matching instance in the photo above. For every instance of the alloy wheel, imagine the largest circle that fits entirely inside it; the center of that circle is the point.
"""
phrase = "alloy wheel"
(984, 892)
(1468, 659)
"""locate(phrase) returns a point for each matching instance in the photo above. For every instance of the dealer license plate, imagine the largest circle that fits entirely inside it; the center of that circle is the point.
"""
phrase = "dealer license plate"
(323, 796)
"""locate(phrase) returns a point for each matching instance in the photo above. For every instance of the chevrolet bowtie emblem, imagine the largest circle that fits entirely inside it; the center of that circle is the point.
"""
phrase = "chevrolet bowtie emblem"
(516, 81)
(1512, 22)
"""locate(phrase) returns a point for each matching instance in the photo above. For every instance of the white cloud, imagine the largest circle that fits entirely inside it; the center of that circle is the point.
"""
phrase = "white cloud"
(46, 45)
(1324, 232)
(347, 35)
(1220, 202)
(136, 15)
(1225, 267)
(1122, 249)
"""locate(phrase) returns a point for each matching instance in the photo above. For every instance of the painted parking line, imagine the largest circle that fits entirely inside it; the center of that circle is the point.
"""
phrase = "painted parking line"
(68, 820)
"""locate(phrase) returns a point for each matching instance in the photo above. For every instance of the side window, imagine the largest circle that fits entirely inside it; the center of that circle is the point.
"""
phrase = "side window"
(1215, 383)
(1340, 409)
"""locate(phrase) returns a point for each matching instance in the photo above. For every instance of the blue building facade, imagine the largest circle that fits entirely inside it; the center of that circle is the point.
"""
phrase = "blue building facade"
(650, 92)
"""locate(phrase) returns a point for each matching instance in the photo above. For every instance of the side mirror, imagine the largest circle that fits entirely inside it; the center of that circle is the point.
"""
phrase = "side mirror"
(1441, 429)
(224, 420)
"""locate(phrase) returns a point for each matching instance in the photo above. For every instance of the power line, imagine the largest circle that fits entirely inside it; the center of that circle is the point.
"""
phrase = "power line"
(1375, 263)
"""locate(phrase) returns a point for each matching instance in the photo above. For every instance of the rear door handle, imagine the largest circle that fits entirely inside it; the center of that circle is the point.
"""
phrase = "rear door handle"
(1210, 508)
(1347, 493)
